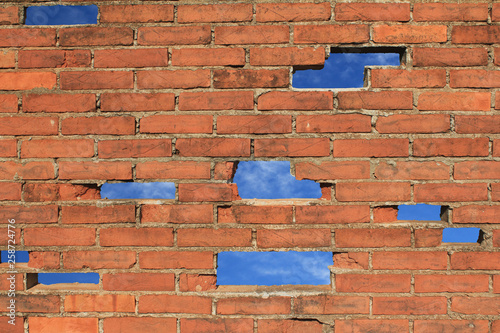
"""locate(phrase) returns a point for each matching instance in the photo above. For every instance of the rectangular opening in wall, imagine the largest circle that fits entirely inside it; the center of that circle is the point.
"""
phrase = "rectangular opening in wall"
(274, 268)
(10, 256)
(345, 67)
(272, 180)
(61, 15)
(154, 190)
(63, 280)
(421, 212)
(462, 235)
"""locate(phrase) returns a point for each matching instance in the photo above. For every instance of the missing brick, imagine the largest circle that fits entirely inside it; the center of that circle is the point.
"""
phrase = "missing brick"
(61, 280)
(61, 15)
(130, 190)
(462, 235)
(422, 212)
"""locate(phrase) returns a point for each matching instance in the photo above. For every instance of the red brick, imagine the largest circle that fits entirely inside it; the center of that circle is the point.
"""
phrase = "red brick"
(32, 303)
(52, 148)
(176, 124)
(9, 15)
(223, 237)
(173, 170)
(495, 16)
(258, 34)
(54, 58)
(293, 100)
(450, 192)
(215, 13)
(249, 78)
(396, 34)
(496, 284)
(475, 305)
(27, 80)
(477, 124)
(44, 260)
(255, 214)
(197, 282)
(454, 101)
(412, 170)
(174, 304)
(477, 34)
(350, 260)
(406, 123)
(27, 37)
(373, 191)
(137, 324)
(261, 124)
(60, 192)
(177, 213)
(451, 147)
(97, 80)
(56, 236)
(476, 214)
(372, 238)
(95, 170)
(98, 259)
(174, 35)
(216, 100)
(59, 103)
(400, 78)
(267, 238)
(373, 283)
(208, 192)
(451, 283)
(213, 147)
(338, 123)
(364, 325)
(17, 125)
(29, 214)
(370, 148)
(8, 103)
(474, 78)
(8, 148)
(135, 148)
(495, 192)
(194, 325)
(7, 59)
(173, 79)
(331, 34)
(450, 12)
(372, 12)
(332, 214)
(138, 281)
(287, 56)
(98, 214)
(137, 102)
(254, 305)
(130, 58)
(10, 191)
(409, 305)
(99, 303)
(11, 170)
(410, 260)
(208, 57)
(176, 259)
(496, 148)
(454, 57)
(376, 100)
(475, 260)
(136, 13)
(333, 170)
(428, 237)
(385, 214)
(120, 125)
(136, 237)
(477, 170)
(326, 304)
(450, 326)
(9, 284)
(289, 326)
(292, 12)
(90, 36)
(65, 324)
(224, 170)
(292, 147)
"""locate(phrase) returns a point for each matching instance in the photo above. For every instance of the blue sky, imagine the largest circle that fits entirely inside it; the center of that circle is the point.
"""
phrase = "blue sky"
(61, 15)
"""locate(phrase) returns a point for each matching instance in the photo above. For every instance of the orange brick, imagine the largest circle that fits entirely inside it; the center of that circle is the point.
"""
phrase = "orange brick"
(30, 214)
(373, 191)
(90, 36)
(454, 57)
(258, 34)
(11, 170)
(44, 260)
(224, 170)
(176, 124)
(59, 103)
(32, 303)
(475, 260)
(137, 102)
(97, 80)
(99, 303)
(292, 100)
(194, 325)
(372, 238)
(292, 147)
(474, 78)
(95, 170)
(475, 305)
(11, 282)
(136, 13)
(477, 170)
(402, 123)
(65, 324)
(54, 58)
(260, 124)
(208, 192)
(208, 57)
(188, 35)
(213, 147)
(136, 237)
(403, 170)
(56, 236)
(396, 34)
(52, 148)
(8, 148)
(409, 305)
(332, 214)
(173, 170)
(333, 170)
(338, 123)
(372, 12)
(477, 124)
(292, 12)
(27, 37)
(9, 15)
(476, 214)
(385, 214)
(255, 214)
(223, 237)
(135, 324)
(129, 58)
(350, 260)
(214, 13)
(27, 80)
(8, 103)
(428, 237)
(443, 325)
(451, 147)
(331, 34)
(138, 281)
(176, 259)
(197, 282)
(62, 192)
(454, 101)
(370, 148)
(10, 191)
(450, 12)
(173, 79)
(254, 305)
(451, 283)
(373, 283)
(98, 259)
(410, 260)
(478, 34)
(174, 304)
(289, 326)
(17, 125)
(450, 192)
(400, 78)
(120, 125)
(135, 148)
(376, 100)
(177, 213)
(287, 56)
(216, 100)
(7, 59)
(326, 304)
(249, 78)
(267, 238)
(97, 214)
(363, 325)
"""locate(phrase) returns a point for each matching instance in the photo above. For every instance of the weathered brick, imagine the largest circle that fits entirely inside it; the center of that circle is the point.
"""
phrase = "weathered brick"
(331, 34)
(135, 148)
(173, 79)
(372, 12)
(267, 238)
(98, 259)
(32, 303)
(261, 124)
(119, 125)
(258, 34)
(410, 260)
(292, 100)
(364, 325)
(29, 214)
(128, 58)
(209, 325)
(139, 281)
(409, 305)
(95, 170)
(10, 191)
(216, 100)
(396, 34)
(176, 124)
(409, 123)
(454, 57)
(7, 59)
(197, 282)
(59, 103)
(474, 78)
(373, 238)
(91, 36)
(451, 147)
(136, 237)
(223, 237)
(444, 325)
(11, 170)
(477, 170)
(214, 147)
(99, 303)
(249, 78)
(27, 80)
(292, 147)
(451, 283)
(255, 215)
(333, 170)
(373, 283)
(52, 148)
(177, 213)
(176, 259)
(400, 78)
(327, 304)
(371, 148)
(173, 170)
(412, 170)
(428, 237)
(56, 236)
(476, 214)
(188, 35)
(137, 102)
(174, 304)
(98, 214)
(27, 37)
(208, 57)
(254, 305)
(135, 324)
(332, 214)
(8, 148)
(477, 124)
(350, 260)
(376, 100)
(338, 123)
(450, 12)
(454, 101)
(9, 15)
(54, 58)
(289, 326)
(239, 12)
(475, 260)
(45, 260)
(8, 103)
(287, 56)
(373, 191)
(475, 305)
(59, 192)
(208, 192)
(64, 324)
(450, 192)
(292, 12)
(477, 34)
(136, 13)
(97, 80)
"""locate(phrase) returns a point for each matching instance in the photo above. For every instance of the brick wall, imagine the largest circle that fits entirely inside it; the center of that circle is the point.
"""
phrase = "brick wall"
(176, 91)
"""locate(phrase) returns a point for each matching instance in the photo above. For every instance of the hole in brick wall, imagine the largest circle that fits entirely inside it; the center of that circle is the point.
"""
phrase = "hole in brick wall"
(345, 67)
(16, 256)
(273, 268)
(59, 278)
(421, 212)
(272, 180)
(61, 15)
(462, 235)
(154, 190)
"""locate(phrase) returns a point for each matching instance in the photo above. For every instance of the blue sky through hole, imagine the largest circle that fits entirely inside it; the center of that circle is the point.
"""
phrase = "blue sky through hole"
(460, 235)
(154, 190)
(53, 278)
(61, 15)
(20, 256)
(419, 212)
